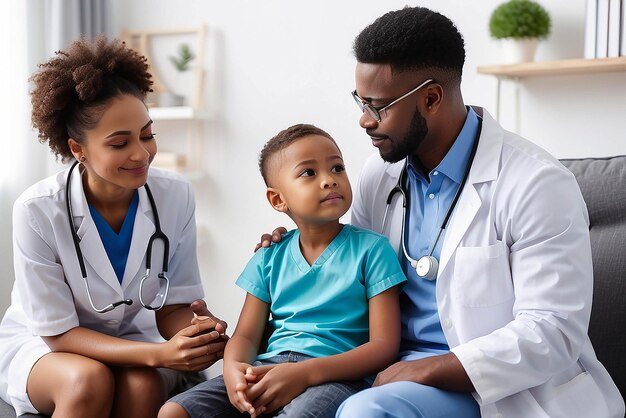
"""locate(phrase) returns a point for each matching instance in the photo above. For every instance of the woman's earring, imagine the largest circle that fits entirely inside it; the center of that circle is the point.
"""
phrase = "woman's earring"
(82, 159)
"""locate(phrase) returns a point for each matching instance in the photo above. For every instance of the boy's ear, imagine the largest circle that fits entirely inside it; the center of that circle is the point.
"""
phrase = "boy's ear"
(276, 199)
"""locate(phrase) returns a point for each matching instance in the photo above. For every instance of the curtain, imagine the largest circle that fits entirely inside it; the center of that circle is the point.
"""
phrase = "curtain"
(18, 164)
(71, 19)
(67, 21)
(31, 31)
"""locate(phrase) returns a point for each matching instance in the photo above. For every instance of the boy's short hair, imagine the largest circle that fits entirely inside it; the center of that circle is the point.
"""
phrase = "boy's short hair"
(285, 138)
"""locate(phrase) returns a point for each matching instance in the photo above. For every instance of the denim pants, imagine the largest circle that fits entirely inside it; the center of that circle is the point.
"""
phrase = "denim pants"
(210, 399)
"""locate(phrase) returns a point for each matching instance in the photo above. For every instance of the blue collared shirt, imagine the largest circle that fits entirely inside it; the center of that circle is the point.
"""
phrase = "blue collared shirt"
(429, 200)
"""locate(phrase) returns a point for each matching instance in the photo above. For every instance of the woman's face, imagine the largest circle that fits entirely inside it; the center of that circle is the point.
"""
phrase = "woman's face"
(119, 150)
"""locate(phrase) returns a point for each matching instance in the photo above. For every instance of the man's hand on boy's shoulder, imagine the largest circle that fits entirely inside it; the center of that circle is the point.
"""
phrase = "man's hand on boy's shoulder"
(267, 239)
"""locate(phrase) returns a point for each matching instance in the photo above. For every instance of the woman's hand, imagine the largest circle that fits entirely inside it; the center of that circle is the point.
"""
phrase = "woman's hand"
(201, 313)
(193, 348)
(267, 239)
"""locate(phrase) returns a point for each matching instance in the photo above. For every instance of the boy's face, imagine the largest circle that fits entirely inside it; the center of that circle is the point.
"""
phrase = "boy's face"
(310, 183)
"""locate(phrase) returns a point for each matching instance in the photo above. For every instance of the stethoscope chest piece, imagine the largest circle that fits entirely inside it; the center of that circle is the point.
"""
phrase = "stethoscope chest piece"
(426, 267)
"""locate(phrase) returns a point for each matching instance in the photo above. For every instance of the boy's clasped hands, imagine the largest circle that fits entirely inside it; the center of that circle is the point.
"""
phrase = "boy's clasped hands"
(264, 388)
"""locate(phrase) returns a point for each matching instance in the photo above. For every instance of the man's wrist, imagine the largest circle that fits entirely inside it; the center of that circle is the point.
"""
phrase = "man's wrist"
(447, 372)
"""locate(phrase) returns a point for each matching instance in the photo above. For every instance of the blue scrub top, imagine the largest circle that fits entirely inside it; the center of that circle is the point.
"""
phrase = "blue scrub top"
(117, 245)
(429, 200)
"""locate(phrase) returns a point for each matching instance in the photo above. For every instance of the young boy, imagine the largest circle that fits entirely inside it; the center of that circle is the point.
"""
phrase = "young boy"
(330, 289)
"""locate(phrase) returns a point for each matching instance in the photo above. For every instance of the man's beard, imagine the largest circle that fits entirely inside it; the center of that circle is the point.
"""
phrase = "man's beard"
(412, 139)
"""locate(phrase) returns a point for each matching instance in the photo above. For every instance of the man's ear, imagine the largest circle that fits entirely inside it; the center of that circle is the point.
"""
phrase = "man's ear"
(434, 98)
(276, 200)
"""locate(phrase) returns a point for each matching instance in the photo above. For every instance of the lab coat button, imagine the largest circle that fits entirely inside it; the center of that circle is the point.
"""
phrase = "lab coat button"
(447, 323)
(112, 322)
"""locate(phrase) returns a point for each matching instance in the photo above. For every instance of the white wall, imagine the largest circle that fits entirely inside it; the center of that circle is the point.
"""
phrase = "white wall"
(280, 62)
(274, 63)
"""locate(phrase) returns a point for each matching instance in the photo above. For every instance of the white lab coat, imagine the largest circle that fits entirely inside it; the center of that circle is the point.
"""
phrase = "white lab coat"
(515, 279)
(49, 296)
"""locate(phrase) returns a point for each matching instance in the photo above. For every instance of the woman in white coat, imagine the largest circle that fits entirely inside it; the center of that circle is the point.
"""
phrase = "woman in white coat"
(77, 339)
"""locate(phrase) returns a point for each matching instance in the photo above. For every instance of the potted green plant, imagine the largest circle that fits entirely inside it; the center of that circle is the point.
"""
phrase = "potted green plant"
(181, 63)
(185, 56)
(519, 25)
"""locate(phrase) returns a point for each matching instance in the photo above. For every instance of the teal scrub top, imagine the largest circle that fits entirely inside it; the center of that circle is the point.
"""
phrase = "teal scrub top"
(321, 310)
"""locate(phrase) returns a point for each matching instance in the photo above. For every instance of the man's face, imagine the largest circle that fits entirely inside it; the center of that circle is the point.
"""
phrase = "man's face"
(402, 127)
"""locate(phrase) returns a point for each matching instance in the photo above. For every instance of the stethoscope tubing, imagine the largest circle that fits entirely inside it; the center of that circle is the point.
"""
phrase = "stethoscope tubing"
(399, 188)
(158, 234)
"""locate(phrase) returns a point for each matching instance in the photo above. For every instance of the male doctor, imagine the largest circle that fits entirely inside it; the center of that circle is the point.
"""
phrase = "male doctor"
(505, 316)
(499, 327)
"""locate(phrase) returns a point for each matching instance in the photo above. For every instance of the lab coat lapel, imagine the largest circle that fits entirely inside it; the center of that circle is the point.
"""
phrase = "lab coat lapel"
(464, 214)
(393, 226)
(484, 168)
(91, 246)
(143, 228)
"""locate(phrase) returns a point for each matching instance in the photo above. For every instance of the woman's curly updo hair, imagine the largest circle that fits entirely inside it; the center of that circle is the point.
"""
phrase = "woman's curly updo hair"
(74, 88)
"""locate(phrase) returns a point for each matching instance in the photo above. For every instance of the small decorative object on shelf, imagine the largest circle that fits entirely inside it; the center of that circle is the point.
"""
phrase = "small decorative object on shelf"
(176, 57)
(170, 161)
(519, 25)
(181, 63)
(185, 56)
(176, 64)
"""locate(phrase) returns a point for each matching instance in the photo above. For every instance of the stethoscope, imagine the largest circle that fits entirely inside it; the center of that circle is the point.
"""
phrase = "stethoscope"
(428, 266)
(158, 234)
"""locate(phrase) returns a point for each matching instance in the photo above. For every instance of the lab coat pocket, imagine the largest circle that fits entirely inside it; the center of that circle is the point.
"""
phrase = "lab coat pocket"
(580, 397)
(482, 275)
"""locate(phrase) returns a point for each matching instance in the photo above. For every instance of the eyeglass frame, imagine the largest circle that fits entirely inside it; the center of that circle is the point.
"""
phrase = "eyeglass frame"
(373, 111)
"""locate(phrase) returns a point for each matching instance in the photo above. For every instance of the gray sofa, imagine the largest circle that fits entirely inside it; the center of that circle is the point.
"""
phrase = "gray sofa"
(603, 184)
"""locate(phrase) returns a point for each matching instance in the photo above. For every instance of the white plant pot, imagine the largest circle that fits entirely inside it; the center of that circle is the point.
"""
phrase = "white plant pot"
(519, 50)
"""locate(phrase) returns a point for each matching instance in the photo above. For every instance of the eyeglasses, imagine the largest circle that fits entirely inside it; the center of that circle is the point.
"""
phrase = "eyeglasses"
(373, 111)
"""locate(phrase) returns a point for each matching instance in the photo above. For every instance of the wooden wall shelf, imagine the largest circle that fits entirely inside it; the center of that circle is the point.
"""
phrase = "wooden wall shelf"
(550, 68)
(173, 113)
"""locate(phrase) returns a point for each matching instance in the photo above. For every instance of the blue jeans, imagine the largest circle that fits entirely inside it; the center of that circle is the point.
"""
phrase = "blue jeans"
(210, 399)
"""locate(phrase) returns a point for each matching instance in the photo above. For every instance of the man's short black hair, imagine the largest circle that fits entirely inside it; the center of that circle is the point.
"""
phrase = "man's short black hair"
(412, 39)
